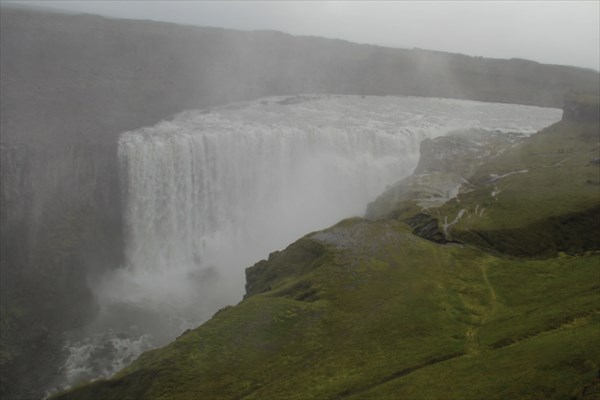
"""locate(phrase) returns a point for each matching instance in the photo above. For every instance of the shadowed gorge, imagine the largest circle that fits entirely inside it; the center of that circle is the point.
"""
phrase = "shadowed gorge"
(145, 164)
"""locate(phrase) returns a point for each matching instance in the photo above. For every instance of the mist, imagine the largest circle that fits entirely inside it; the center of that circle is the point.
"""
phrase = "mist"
(501, 29)
(147, 165)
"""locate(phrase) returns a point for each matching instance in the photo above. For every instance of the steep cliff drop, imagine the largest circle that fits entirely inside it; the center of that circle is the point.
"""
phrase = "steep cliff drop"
(211, 192)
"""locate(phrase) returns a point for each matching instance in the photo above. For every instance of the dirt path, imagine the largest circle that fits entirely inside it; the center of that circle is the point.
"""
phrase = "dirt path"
(493, 298)
(473, 346)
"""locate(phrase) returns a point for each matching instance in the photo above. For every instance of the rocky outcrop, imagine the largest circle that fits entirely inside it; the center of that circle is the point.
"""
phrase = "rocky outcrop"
(299, 258)
(581, 107)
(559, 186)
(446, 165)
(570, 233)
(426, 227)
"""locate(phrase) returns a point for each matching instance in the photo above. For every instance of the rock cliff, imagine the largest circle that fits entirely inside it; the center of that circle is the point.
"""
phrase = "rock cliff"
(581, 107)
(446, 165)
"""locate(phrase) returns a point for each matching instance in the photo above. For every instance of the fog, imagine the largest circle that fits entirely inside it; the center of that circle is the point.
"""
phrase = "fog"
(145, 215)
(554, 32)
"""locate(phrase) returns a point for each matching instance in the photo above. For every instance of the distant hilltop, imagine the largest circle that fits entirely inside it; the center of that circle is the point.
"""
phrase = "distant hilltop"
(87, 78)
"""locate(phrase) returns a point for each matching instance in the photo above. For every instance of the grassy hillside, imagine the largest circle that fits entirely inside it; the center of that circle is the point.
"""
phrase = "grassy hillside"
(539, 199)
(368, 310)
(386, 314)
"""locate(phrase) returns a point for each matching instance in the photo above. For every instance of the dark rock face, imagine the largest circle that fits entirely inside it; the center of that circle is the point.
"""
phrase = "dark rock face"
(61, 220)
(581, 107)
(454, 152)
(427, 227)
(446, 165)
(43, 186)
(441, 154)
(462, 151)
(300, 257)
(573, 233)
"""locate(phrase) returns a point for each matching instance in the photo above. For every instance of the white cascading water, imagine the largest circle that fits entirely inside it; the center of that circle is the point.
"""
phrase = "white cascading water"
(212, 192)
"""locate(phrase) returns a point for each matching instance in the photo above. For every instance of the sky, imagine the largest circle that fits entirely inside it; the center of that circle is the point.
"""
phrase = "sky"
(554, 32)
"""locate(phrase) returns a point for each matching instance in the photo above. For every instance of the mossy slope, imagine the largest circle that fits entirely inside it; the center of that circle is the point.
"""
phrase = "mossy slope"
(368, 310)
(395, 316)
(539, 199)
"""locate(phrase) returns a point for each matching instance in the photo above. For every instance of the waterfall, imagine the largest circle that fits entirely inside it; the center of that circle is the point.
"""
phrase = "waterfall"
(188, 183)
(211, 192)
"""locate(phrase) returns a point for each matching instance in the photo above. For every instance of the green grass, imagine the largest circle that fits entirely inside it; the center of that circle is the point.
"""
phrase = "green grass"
(531, 213)
(556, 292)
(403, 305)
(554, 365)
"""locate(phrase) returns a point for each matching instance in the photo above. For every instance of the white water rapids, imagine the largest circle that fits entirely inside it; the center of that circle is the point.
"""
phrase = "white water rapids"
(209, 193)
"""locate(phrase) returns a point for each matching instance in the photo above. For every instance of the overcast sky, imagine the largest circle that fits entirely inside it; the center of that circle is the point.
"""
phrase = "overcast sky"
(556, 32)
